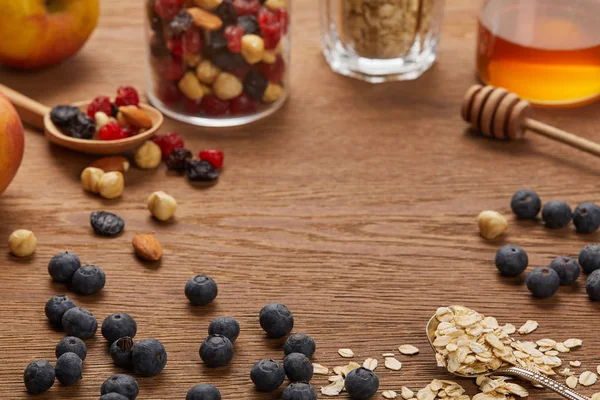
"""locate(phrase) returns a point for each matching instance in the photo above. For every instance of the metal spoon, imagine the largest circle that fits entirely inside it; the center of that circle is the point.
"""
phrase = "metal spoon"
(38, 115)
(520, 372)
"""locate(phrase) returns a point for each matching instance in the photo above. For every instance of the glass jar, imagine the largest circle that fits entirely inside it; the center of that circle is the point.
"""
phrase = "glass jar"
(381, 40)
(218, 62)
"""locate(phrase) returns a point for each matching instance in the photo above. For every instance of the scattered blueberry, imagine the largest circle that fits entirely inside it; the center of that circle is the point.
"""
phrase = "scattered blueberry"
(299, 343)
(201, 290)
(299, 391)
(203, 392)
(82, 127)
(511, 260)
(249, 24)
(556, 214)
(586, 218)
(71, 344)
(68, 369)
(267, 375)
(122, 384)
(112, 396)
(589, 258)
(39, 377)
(361, 383)
(80, 323)
(276, 319)
(255, 85)
(568, 270)
(149, 357)
(116, 326)
(226, 326)
(88, 279)
(106, 223)
(56, 307)
(62, 116)
(298, 367)
(121, 352)
(62, 267)
(593, 285)
(178, 159)
(201, 171)
(526, 204)
(216, 351)
(542, 282)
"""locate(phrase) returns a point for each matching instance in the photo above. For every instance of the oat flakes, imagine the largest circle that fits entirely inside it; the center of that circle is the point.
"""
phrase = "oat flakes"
(370, 363)
(389, 394)
(406, 393)
(596, 396)
(334, 389)
(571, 343)
(346, 353)
(318, 369)
(571, 381)
(588, 378)
(528, 327)
(575, 364)
(393, 364)
(408, 350)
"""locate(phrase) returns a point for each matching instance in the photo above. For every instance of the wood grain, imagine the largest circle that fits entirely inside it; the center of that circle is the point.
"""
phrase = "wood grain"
(354, 205)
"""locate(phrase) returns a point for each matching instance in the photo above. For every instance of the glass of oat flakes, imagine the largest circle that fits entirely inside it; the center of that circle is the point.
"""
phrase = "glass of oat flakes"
(381, 40)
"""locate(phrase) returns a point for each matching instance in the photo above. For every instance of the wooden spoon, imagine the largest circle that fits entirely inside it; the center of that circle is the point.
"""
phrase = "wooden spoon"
(38, 115)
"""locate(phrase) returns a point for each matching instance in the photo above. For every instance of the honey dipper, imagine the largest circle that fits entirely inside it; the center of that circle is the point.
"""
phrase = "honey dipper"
(496, 112)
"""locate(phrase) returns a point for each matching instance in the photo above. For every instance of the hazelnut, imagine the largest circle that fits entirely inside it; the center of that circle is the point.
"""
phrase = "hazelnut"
(274, 4)
(207, 72)
(148, 156)
(227, 86)
(101, 120)
(22, 243)
(192, 60)
(111, 185)
(161, 205)
(269, 57)
(253, 48)
(191, 87)
(208, 4)
(491, 224)
(90, 178)
(273, 93)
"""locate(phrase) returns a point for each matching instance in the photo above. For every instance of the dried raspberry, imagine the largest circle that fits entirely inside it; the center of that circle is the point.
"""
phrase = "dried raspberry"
(270, 26)
(284, 19)
(111, 131)
(273, 72)
(172, 69)
(169, 93)
(243, 104)
(233, 34)
(131, 130)
(246, 7)
(214, 106)
(167, 9)
(100, 103)
(192, 41)
(168, 143)
(175, 46)
(213, 156)
(192, 107)
(127, 96)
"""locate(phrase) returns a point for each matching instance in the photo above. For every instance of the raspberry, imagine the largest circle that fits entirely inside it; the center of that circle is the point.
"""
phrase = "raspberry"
(111, 131)
(246, 7)
(270, 25)
(130, 130)
(169, 93)
(167, 9)
(273, 72)
(127, 96)
(214, 106)
(233, 34)
(192, 41)
(213, 156)
(172, 69)
(168, 143)
(175, 46)
(243, 104)
(100, 103)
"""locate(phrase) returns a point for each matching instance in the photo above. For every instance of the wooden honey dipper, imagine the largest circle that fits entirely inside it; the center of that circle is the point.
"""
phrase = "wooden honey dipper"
(496, 112)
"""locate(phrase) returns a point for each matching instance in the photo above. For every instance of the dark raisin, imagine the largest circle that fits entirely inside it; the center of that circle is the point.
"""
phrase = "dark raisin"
(62, 116)
(158, 47)
(178, 159)
(255, 85)
(106, 224)
(114, 110)
(181, 23)
(228, 61)
(227, 12)
(82, 127)
(249, 24)
(201, 171)
(216, 43)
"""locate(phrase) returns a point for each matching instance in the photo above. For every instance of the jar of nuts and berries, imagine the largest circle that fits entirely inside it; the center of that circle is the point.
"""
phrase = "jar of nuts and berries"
(218, 62)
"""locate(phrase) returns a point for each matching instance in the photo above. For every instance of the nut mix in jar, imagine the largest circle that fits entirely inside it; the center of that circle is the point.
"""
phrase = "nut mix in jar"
(218, 62)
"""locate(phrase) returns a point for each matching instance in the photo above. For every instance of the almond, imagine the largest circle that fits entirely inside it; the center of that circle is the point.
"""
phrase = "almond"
(204, 19)
(136, 117)
(111, 164)
(147, 247)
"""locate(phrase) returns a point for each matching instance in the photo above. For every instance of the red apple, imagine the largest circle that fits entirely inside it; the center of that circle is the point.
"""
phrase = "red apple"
(41, 33)
(11, 142)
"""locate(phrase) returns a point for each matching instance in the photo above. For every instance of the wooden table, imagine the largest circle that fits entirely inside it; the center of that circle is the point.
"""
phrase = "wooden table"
(355, 205)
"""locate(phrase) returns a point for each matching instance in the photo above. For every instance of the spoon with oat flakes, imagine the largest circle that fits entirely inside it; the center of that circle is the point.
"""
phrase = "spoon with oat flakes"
(470, 345)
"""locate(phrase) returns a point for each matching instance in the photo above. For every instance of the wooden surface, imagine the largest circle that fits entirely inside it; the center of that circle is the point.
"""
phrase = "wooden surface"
(355, 205)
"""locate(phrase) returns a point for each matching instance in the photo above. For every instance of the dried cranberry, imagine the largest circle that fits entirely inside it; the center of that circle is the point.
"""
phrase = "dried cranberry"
(201, 171)
(168, 143)
(178, 159)
(272, 40)
(192, 41)
(111, 131)
(175, 46)
(181, 23)
(169, 93)
(233, 34)
(172, 69)
(246, 7)
(255, 85)
(192, 106)
(158, 47)
(213, 156)
(167, 9)
(273, 72)
(241, 72)
(214, 106)
(284, 19)
(99, 104)
(270, 26)
(127, 96)
(131, 130)
(227, 12)
(243, 104)
(249, 24)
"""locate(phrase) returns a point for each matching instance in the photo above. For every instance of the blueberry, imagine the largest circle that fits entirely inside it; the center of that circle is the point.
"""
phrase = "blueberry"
(201, 290)
(226, 326)
(361, 383)
(267, 375)
(586, 218)
(589, 258)
(526, 204)
(299, 391)
(116, 326)
(542, 282)
(556, 214)
(112, 396)
(62, 267)
(88, 279)
(511, 260)
(203, 392)
(56, 308)
(593, 285)
(39, 377)
(82, 127)
(299, 343)
(122, 384)
(71, 344)
(80, 323)
(62, 116)
(149, 357)
(276, 319)
(216, 351)
(298, 367)
(249, 24)
(121, 352)
(106, 223)
(68, 369)
(255, 85)
(568, 270)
